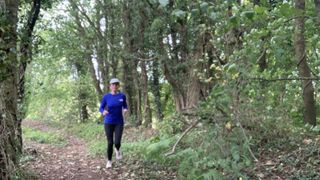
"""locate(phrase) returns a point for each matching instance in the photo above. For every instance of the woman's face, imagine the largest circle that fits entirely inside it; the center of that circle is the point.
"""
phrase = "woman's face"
(114, 87)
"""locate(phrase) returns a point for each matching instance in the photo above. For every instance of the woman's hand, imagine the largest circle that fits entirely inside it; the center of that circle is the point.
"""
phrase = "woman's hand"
(125, 111)
(105, 112)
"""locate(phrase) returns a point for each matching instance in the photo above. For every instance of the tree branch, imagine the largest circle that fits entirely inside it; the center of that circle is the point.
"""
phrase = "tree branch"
(183, 134)
(285, 79)
(81, 9)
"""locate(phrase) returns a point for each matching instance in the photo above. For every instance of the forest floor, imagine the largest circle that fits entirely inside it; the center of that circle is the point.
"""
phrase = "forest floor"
(295, 157)
(72, 161)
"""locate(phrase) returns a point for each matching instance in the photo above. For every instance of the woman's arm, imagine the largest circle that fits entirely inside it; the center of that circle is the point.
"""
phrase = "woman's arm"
(125, 105)
(103, 104)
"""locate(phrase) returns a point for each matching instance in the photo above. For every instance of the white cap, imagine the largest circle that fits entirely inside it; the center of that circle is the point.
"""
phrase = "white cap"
(114, 80)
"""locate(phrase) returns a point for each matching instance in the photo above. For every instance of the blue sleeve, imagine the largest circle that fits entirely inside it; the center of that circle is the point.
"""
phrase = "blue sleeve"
(103, 104)
(125, 105)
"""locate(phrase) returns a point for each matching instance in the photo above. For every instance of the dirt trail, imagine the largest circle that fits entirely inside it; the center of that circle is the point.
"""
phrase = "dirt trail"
(72, 161)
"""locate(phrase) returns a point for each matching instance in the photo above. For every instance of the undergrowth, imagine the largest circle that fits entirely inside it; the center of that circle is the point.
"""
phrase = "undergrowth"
(221, 147)
(43, 137)
(93, 134)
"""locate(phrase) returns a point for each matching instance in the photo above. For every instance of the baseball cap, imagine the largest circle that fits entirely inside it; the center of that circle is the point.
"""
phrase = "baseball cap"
(114, 80)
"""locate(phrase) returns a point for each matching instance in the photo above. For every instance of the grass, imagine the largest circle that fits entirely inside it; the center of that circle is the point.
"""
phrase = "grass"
(23, 174)
(134, 142)
(43, 137)
(87, 131)
(97, 148)
(93, 134)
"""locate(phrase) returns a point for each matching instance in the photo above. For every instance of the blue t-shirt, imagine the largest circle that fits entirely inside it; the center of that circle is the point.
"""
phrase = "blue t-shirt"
(114, 104)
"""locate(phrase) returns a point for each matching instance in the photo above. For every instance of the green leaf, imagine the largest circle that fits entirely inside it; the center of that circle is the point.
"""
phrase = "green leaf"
(232, 68)
(204, 6)
(315, 129)
(213, 16)
(195, 12)
(259, 9)
(248, 14)
(235, 153)
(233, 20)
(164, 2)
(285, 9)
(179, 13)
(212, 174)
(157, 24)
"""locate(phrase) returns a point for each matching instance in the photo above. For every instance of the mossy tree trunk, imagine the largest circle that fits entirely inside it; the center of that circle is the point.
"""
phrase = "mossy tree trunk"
(8, 88)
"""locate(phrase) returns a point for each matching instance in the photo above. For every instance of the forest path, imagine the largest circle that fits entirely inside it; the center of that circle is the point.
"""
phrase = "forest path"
(73, 162)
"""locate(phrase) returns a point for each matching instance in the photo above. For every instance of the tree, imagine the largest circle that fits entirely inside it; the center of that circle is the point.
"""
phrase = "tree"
(25, 59)
(317, 8)
(183, 47)
(130, 75)
(304, 70)
(156, 88)
(8, 87)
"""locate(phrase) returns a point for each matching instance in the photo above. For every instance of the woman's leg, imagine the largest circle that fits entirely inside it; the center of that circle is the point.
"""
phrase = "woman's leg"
(109, 130)
(118, 130)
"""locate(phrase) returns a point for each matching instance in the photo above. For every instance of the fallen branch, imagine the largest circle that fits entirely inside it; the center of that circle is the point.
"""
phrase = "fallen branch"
(183, 134)
(245, 136)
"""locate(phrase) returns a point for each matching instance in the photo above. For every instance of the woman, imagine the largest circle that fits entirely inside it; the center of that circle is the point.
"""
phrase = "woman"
(112, 107)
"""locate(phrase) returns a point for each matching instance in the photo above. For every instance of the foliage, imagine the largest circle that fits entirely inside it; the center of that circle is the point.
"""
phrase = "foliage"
(196, 158)
(246, 108)
(23, 173)
(171, 125)
(53, 85)
(219, 149)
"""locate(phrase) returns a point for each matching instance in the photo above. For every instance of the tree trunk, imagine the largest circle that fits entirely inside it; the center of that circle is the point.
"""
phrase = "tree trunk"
(103, 65)
(101, 41)
(231, 38)
(178, 91)
(317, 8)
(25, 59)
(174, 77)
(262, 59)
(155, 86)
(130, 75)
(9, 141)
(145, 96)
(94, 78)
(304, 70)
(114, 61)
(143, 20)
(194, 88)
(82, 94)
(8, 90)
(179, 58)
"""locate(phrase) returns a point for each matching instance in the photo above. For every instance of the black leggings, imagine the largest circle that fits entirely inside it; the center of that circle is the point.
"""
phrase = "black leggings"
(110, 130)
